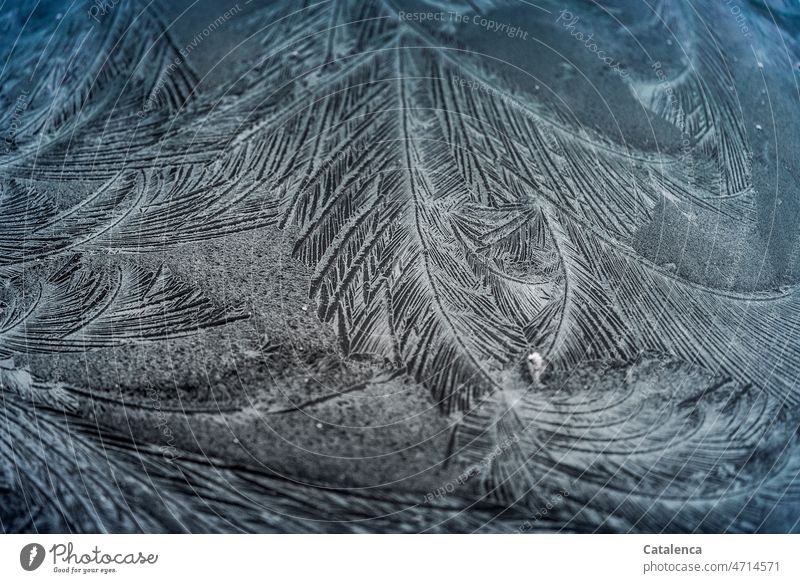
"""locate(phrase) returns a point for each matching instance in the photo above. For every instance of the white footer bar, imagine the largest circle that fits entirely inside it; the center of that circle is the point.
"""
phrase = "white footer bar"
(402, 558)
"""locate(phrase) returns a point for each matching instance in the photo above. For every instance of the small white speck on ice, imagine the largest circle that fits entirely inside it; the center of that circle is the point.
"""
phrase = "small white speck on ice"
(535, 358)
(535, 367)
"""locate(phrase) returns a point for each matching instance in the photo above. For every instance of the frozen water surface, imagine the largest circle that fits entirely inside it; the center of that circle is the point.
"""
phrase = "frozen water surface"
(392, 266)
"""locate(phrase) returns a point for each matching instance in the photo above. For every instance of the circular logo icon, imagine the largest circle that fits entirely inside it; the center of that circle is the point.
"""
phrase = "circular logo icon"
(31, 556)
